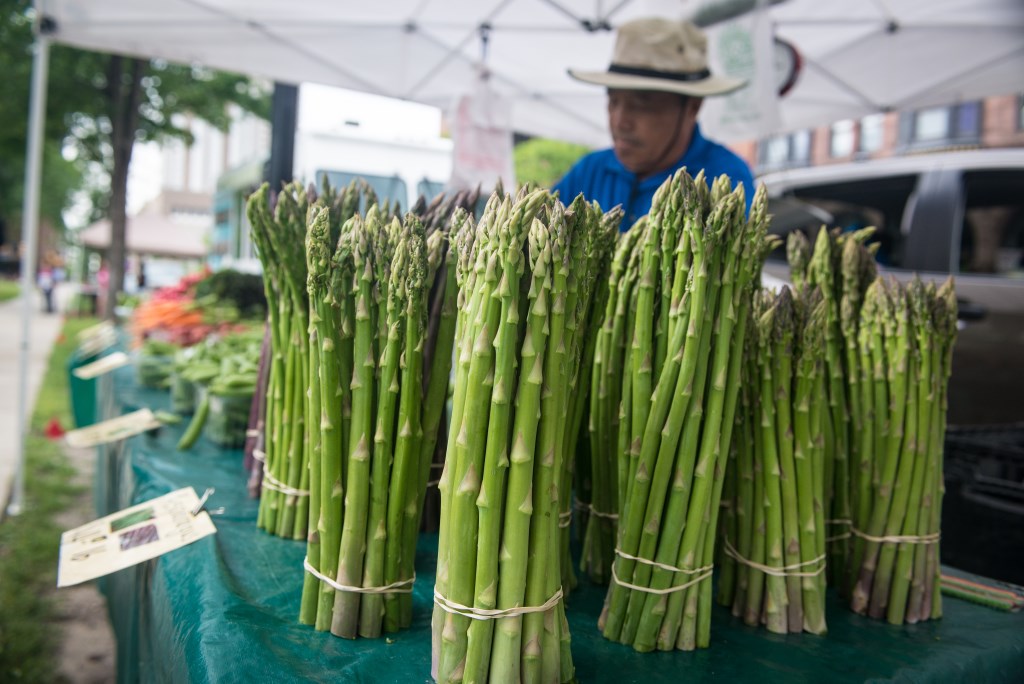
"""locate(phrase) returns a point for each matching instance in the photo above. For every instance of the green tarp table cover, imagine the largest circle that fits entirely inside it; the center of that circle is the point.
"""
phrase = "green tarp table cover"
(224, 609)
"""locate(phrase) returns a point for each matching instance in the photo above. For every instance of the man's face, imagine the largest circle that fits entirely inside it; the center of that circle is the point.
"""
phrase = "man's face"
(643, 123)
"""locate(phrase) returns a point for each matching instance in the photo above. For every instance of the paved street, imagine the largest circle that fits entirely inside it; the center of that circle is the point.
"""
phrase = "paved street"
(44, 330)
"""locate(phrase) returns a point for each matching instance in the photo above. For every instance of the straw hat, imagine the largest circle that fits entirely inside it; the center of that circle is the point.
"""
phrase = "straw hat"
(660, 54)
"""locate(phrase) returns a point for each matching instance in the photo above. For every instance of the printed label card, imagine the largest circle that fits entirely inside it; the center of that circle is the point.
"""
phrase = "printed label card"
(131, 536)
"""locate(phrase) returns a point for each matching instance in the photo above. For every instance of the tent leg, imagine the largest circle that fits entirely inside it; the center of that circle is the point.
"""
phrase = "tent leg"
(30, 240)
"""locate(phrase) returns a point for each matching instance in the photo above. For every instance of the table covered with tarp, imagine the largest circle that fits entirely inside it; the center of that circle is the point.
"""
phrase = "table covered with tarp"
(225, 608)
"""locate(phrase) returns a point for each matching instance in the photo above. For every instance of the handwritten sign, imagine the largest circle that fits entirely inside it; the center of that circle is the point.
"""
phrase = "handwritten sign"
(131, 536)
(114, 429)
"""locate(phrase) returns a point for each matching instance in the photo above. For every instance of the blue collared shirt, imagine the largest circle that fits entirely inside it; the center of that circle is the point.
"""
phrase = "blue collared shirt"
(601, 176)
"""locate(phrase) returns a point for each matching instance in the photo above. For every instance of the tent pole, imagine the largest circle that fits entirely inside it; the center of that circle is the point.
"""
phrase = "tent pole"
(30, 241)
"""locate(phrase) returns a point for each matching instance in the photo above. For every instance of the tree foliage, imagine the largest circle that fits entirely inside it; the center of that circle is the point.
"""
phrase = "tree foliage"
(544, 161)
(98, 106)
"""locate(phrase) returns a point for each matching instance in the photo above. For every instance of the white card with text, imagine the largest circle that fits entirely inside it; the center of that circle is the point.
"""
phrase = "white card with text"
(131, 536)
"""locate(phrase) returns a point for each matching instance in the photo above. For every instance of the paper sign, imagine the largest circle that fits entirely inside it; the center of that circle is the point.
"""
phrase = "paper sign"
(96, 338)
(100, 328)
(114, 429)
(104, 365)
(128, 537)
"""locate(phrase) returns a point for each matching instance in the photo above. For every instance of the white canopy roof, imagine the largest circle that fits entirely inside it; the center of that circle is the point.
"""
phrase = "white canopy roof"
(859, 57)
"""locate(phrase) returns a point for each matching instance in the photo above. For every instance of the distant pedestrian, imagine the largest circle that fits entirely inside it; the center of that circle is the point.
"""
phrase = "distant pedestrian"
(46, 284)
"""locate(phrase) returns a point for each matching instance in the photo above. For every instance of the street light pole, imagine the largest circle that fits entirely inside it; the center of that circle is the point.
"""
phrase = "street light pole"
(30, 240)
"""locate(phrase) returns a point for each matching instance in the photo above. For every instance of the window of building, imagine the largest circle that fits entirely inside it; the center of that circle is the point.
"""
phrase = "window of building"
(968, 120)
(842, 139)
(931, 124)
(387, 188)
(946, 125)
(785, 151)
(800, 146)
(429, 189)
(872, 132)
(1020, 112)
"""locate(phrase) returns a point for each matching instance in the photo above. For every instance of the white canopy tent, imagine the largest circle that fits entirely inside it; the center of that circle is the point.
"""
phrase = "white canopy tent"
(858, 57)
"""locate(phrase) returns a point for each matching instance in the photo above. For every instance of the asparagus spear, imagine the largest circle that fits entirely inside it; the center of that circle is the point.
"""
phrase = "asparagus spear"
(353, 535)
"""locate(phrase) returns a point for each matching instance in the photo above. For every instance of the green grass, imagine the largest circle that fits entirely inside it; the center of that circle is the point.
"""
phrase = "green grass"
(9, 289)
(30, 541)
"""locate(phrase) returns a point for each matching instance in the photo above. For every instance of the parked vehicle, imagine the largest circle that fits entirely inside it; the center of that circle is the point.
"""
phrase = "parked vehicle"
(959, 214)
(952, 213)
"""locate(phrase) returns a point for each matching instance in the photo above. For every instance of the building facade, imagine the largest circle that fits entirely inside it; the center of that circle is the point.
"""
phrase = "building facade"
(990, 123)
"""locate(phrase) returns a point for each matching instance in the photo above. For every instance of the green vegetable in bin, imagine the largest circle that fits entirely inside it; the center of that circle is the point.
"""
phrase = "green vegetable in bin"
(223, 375)
(196, 426)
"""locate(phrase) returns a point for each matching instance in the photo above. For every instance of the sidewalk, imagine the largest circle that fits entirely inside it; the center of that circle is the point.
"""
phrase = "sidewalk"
(44, 330)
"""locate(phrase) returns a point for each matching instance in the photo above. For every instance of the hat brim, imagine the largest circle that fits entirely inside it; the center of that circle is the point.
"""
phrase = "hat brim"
(708, 87)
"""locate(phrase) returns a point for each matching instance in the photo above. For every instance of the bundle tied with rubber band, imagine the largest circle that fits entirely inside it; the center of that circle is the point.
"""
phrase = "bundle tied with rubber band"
(905, 344)
(527, 274)
(773, 535)
(684, 319)
(370, 391)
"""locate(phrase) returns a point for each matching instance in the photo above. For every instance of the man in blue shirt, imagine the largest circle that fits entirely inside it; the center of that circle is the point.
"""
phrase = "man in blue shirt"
(656, 84)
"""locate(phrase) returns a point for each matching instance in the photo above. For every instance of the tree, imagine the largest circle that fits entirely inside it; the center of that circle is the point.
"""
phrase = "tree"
(106, 103)
(61, 176)
(544, 161)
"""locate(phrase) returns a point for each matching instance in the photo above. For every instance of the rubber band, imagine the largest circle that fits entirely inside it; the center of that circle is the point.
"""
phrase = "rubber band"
(252, 432)
(494, 613)
(899, 539)
(399, 587)
(259, 455)
(660, 592)
(839, 537)
(589, 508)
(565, 519)
(273, 484)
(784, 571)
(433, 483)
(601, 514)
(663, 566)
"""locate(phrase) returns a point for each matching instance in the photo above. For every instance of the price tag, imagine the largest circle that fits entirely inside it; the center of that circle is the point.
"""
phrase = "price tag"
(114, 429)
(131, 536)
(101, 366)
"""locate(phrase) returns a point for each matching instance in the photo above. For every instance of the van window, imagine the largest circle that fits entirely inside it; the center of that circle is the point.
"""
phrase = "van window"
(850, 205)
(429, 189)
(992, 234)
(390, 188)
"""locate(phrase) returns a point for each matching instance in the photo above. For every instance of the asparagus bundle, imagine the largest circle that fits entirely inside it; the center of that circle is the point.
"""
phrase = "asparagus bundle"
(841, 267)
(773, 541)
(278, 233)
(905, 344)
(526, 273)
(700, 258)
(378, 403)
(591, 304)
(608, 386)
(279, 230)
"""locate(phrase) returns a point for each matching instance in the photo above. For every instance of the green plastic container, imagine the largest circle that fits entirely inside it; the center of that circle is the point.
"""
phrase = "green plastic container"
(184, 394)
(228, 419)
(83, 392)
